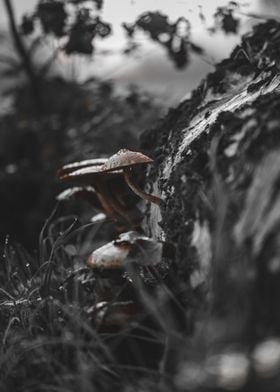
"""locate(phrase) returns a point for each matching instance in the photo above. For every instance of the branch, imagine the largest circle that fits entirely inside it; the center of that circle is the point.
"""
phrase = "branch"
(22, 52)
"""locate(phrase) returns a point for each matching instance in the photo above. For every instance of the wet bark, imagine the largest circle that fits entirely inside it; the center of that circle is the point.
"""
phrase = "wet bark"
(217, 169)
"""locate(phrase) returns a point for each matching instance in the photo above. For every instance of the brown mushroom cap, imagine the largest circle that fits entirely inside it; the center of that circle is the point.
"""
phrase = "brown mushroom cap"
(111, 190)
(74, 192)
(109, 256)
(71, 167)
(88, 175)
(111, 180)
(98, 218)
(125, 158)
(87, 194)
(128, 247)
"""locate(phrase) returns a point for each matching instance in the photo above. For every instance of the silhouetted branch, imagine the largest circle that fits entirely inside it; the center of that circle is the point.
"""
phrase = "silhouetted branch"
(22, 52)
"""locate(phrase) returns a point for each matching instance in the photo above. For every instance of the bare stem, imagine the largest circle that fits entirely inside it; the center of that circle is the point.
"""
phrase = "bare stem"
(111, 204)
(136, 189)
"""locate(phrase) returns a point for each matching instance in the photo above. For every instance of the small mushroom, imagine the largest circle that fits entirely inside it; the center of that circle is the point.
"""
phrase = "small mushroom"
(126, 160)
(98, 218)
(128, 247)
(118, 266)
(111, 179)
(87, 193)
(70, 167)
(109, 256)
(110, 189)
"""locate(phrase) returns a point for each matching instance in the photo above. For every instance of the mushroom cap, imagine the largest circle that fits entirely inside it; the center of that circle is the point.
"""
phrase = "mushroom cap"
(98, 218)
(132, 237)
(125, 158)
(144, 250)
(74, 192)
(87, 175)
(71, 167)
(128, 247)
(109, 256)
(87, 194)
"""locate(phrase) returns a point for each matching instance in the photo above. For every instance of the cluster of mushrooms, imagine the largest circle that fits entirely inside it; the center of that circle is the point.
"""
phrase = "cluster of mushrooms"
(109, 186)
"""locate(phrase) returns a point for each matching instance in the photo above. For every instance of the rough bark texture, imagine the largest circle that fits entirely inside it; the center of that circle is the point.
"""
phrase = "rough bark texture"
(218, 171)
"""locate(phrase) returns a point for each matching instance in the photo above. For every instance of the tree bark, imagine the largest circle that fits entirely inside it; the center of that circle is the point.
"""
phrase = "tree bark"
(217, 169)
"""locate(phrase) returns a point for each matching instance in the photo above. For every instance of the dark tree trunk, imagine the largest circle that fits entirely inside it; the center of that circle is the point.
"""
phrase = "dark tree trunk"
(218, 171)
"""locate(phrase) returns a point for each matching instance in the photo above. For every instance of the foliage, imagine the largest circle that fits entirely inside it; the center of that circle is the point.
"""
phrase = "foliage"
(51, 337)
(225, 18)
(175, 37)
(79, 24)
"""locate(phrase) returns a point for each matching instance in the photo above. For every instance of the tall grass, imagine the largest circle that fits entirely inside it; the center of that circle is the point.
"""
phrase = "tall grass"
(51, 340)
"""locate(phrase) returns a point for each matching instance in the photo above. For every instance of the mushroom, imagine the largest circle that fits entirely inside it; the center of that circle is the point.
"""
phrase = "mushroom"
(125, 160)
(98, 218)
(70, 167)
(110, 189)
(109, 256)
(87, 193)
(128, 247)
(117, 297)
(121, 267)
(110, 178)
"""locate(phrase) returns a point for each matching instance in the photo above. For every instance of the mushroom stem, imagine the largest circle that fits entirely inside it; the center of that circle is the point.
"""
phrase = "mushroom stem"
(111, 204)
(136, 189)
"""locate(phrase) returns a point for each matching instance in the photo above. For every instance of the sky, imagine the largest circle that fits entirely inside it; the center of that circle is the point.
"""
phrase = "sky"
(150, 68)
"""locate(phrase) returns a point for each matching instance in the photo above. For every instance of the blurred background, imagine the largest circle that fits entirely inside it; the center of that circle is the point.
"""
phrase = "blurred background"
(83, 78)
(147, 68)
